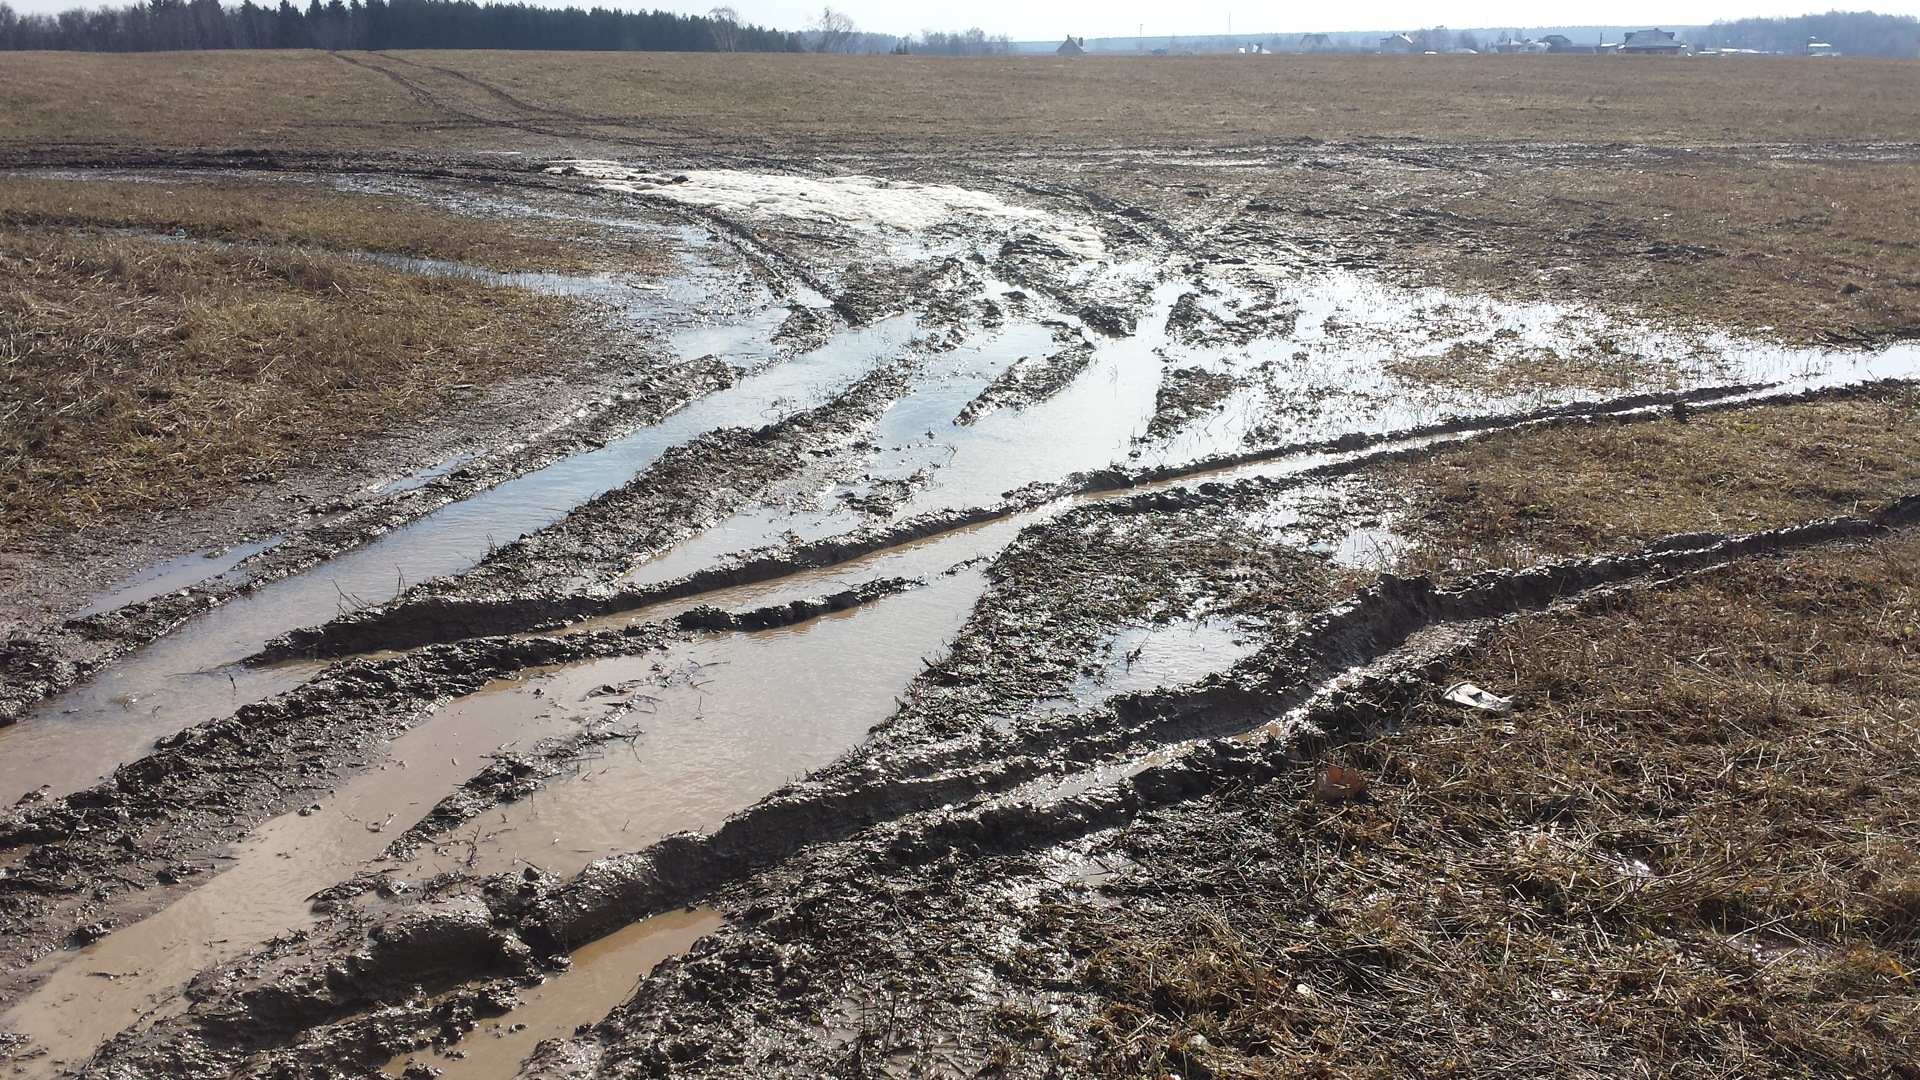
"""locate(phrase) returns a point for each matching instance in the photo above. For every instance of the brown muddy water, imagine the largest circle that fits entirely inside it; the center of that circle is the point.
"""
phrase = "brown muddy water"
(600, 976)
(712, 724)
(719, 722)
(704, 726)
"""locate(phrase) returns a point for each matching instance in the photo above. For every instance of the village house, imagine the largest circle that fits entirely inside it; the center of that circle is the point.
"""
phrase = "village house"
(1655, 42)
(1072, 47)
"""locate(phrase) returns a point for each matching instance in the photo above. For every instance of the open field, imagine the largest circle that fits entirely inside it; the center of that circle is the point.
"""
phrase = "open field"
(963, 560)
(339, 102)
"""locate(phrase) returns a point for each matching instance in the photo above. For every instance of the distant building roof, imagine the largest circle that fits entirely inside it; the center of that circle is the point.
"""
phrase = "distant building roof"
(1652, 41)
(1071, 47)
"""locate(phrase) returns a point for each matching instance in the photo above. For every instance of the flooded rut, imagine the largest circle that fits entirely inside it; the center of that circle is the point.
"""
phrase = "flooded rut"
(73, 739)
(717, 723)
(1079, 362)
(599, 976)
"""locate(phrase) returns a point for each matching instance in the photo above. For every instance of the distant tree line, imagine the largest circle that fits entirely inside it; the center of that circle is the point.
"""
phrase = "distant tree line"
(160, 25)
(974, 42)
(1851, 33)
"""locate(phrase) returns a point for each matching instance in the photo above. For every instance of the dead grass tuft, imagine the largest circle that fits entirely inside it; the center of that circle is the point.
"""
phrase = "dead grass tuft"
(134, 373)
(1691, 852)
(1513, 498)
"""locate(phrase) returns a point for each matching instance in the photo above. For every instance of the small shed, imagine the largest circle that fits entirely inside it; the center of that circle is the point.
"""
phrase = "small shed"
(1072, 47)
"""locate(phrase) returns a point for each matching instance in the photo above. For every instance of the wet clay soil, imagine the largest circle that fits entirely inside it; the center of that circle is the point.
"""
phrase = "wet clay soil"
(936, 521)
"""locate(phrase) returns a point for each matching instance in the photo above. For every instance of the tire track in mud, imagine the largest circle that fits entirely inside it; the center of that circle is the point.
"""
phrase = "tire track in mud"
(85, 645)
(582, 126)
(466, 937)
(79, 865)
(452, 614)
(917, 803)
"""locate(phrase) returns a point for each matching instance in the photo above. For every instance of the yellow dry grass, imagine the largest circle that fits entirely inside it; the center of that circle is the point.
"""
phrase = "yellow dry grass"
(485, 99)
(137, 374)
(1689, 853)
(1795, 249)
(313, 214)
(1513, 498)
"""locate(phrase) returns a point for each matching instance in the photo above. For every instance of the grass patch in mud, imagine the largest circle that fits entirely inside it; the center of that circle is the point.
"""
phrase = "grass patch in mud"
(138, 374)
(1512, 498)
(1497, 365)
(315, 215)
(1691, 849)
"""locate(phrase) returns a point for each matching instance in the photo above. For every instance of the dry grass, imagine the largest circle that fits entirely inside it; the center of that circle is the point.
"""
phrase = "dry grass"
(316, 215)
(1513, 498)
(1794, 249)
(137, 374)
(310, 99)
(258, 99)
(1691, 852)
(1802, 245)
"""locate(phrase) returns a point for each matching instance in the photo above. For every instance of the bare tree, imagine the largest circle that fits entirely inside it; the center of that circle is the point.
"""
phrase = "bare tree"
(836, 29)
(726, 28)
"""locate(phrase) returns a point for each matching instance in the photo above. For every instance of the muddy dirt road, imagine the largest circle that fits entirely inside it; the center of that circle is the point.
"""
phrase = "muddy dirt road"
(967, 521)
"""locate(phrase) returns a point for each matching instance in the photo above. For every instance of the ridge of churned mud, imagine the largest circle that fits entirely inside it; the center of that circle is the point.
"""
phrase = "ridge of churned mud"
(351, 992)
(92, 860)
(462, 607)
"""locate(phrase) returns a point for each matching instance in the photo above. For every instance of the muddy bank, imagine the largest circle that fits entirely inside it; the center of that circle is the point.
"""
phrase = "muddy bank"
(449, 611)
(80, 865)
(988, 792)
(1501, 922)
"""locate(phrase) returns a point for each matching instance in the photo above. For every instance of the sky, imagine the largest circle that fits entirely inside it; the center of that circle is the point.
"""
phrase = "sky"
(1040, 20)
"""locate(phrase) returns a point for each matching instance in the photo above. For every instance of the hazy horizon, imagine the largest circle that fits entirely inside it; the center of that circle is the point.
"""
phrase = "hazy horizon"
(1082, 18)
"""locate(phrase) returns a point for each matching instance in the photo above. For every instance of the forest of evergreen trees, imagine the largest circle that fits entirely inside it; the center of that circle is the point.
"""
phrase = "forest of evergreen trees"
(380, 24)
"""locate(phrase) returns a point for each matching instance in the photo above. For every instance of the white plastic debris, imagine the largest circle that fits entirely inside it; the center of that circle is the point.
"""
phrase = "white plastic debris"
(1472, 697)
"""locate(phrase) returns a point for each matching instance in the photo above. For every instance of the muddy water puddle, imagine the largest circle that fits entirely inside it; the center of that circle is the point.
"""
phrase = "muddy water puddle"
(211, 564)
(1135, 659)
(191, 674)
(1326, 375)
(260, 890)
(723, 720)
(601, 975)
